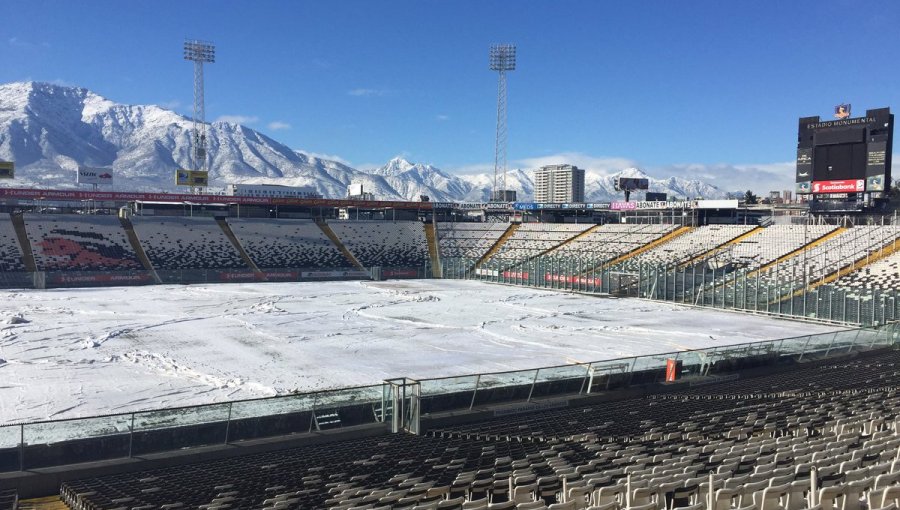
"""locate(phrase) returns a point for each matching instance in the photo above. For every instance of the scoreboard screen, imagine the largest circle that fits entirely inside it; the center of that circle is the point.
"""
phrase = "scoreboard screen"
(845, 156)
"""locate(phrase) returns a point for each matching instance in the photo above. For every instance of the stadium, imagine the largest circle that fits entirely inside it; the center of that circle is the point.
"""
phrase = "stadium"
(631, 344)
(695, 354)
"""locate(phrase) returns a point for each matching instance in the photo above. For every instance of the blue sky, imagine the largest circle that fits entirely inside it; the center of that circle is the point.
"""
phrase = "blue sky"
(708, 89)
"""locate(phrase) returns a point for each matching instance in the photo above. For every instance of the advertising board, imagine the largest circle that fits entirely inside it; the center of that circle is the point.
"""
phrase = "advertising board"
(841, 186)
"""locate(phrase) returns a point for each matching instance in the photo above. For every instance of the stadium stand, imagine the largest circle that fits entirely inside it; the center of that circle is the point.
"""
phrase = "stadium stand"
(692, 244)
(883, 274)
(174, 243)
(79, 243)
(384, 243)
(10, 251)
(9, 499)
(774, 242)
(273, 244)
(762, 441)
(468, 239)
(610, 241)
(533, 239)
(853, 245)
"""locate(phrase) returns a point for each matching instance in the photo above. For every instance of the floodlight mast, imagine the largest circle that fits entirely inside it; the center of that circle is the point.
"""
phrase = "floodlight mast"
(502, 59)
(199, 52)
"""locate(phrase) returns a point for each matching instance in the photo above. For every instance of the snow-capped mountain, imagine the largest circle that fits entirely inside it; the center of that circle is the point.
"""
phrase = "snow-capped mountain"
(50, 130)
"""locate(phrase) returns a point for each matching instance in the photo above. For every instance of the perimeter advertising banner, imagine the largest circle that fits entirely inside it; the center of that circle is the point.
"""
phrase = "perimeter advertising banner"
(842, 186)
(98, 176)
(7, 170)
(193, 178)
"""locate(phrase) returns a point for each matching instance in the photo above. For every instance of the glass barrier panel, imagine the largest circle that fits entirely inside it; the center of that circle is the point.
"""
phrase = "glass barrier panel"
(500, 380)
(350, 396)
(504, 387)
(448, 385)
(10, 435)
(557, 380)
(845, 340)
(793, 346)
(271, 406)
(181, 417)
(820, 343)
(81, 428)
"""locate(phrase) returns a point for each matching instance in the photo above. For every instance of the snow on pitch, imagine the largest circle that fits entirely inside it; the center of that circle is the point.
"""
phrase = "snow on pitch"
(81, 352)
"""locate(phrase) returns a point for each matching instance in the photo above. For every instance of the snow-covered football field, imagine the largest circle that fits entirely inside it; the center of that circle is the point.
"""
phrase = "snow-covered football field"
(81, 352)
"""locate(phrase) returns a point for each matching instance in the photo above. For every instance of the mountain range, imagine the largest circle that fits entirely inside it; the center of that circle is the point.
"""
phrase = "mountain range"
(50, 130)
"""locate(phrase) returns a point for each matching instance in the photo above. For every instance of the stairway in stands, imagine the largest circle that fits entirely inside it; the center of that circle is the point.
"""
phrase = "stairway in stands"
(710, 253)
(339, 245)
(226, 228)
(433, 252)
(815, 242)
(854, 265)
(510, 231)
(649, 246)
(138, 249)
(18, 222)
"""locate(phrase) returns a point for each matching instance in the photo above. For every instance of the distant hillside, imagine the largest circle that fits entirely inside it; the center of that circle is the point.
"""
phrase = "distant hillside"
(49, 130)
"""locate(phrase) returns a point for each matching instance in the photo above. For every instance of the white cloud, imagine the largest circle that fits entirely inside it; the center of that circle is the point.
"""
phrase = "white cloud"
(20, 43)
(238, 119)
(277, 125)
(601, 165)
(362, 92)
(170, 105)
(443, 117)
(761, 178)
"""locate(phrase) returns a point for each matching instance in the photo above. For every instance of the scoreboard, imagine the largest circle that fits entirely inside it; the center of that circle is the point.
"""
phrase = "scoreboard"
(851, 155)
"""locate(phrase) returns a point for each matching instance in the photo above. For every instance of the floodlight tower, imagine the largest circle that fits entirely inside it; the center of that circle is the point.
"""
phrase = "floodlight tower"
(502, 59)
(199, 52)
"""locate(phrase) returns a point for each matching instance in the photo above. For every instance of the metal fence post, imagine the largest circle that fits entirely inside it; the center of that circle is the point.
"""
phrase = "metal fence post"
(828, 350)
(131, 437)
(228, 422)
(808, 339)
(475, 391)
(533, 382)
(22, 447)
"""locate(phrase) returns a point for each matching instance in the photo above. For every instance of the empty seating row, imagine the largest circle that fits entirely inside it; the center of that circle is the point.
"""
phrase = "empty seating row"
(691, 244)
(174, 243)
(772, 243)
(468, 240)
(609, 241)
(761, 440)
(9, 499)
(384, 243)
(79, 243)
(883, 274)
(273, 244)
(851, 246)
(11, 257)
(532, 239)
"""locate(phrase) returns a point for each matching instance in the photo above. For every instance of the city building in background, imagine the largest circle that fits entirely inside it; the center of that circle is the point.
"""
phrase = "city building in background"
(559, 184)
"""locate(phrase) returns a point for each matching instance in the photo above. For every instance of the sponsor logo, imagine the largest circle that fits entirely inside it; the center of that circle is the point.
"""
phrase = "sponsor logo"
(803, 174)
(562, 278)
(842, 111)
(845, 186)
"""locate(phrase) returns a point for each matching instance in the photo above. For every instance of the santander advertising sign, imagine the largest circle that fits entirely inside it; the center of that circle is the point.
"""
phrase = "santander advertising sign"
(846, 186)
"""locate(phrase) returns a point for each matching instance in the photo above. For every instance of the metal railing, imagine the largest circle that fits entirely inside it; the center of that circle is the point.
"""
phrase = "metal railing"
(699, 284)
(58, 442)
